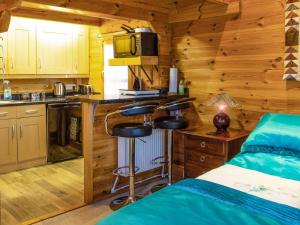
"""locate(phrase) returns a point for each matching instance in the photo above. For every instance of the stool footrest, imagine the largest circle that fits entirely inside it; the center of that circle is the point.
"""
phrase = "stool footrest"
(124, 171)
(157, 161)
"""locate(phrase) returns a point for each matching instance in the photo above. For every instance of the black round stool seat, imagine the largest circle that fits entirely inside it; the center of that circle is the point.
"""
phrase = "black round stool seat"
(170, 122)
(132, 130)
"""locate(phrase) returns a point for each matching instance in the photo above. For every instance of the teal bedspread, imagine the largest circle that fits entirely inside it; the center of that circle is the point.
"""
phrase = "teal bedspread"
(273, 164)
(198, 202)
(275, 134)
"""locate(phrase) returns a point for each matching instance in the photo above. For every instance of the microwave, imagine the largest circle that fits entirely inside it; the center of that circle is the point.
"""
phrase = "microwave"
(135, 44)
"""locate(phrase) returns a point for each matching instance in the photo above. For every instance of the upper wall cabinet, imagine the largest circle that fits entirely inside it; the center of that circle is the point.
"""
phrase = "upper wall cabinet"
(38, 48)
(3, 52)
(21, 51)
(54, 48)
(80, 50)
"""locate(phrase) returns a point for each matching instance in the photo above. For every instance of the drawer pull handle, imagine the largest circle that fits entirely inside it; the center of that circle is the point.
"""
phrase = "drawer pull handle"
(13, 131)
(32, 111)
(21, 131)
(3, 113)
(202, 158)
(203, 144)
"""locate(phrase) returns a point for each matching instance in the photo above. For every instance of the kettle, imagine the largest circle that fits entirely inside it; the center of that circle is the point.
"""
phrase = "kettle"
(59, 89)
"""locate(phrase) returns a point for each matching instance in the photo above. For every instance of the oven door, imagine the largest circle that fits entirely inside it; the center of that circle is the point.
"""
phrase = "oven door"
(64, 131)
(126, 46)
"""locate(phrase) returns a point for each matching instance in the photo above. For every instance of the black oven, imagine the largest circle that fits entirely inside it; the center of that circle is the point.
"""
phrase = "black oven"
(64, 135)
(135, 44)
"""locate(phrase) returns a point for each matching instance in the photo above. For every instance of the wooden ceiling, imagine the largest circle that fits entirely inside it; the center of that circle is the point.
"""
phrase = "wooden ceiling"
(93, 12)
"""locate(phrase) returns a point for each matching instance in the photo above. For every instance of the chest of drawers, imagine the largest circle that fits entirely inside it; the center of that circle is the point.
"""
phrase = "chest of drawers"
(204, 150)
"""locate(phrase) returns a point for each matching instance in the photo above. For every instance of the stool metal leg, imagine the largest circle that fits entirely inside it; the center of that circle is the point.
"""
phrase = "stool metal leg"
(131, 197)
(170, 156)
(125, 200)
(170, 160)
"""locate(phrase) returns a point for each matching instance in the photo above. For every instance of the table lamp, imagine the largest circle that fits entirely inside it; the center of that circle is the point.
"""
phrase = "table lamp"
(221, 102)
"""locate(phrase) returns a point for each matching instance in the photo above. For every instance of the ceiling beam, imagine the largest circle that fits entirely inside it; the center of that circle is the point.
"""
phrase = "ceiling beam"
(155, 5)
(9, 4)
(115, 9)
(40, 11)
(196, 10)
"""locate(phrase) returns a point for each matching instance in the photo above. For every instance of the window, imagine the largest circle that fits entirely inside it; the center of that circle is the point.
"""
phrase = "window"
(115, 77)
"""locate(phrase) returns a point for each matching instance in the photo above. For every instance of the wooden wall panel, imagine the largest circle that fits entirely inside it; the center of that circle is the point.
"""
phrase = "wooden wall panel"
(242, 57)
(96, 60)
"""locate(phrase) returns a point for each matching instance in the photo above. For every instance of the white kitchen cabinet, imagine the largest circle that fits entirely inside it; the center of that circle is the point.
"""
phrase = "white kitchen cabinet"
(31, 138)
(80, 50)
(8, 140)
(54, 48)
(3, 53)
(33, 48)
(22, 137)
(21, 50)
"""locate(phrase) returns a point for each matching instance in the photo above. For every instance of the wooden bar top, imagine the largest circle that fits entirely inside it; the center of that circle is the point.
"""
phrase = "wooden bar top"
(100, 99)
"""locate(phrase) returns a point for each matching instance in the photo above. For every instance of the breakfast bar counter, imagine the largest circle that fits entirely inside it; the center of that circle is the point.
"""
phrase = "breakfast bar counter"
(110, 99)
(100, 149)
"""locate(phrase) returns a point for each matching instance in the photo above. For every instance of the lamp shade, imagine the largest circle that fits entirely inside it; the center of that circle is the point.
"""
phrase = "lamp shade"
(221, 101)
(221, 119)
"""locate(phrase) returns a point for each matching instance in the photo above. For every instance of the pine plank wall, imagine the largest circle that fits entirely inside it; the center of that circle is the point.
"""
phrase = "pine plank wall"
(242, 57)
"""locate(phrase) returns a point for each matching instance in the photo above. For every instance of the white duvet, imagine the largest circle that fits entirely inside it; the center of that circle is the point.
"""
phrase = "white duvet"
(272, 188)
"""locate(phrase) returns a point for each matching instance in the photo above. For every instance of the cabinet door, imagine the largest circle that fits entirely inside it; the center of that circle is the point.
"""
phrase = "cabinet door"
(54, 48)
(8, 140)
(3, 53)
(31, 138)
(22, 46)
(80, 50)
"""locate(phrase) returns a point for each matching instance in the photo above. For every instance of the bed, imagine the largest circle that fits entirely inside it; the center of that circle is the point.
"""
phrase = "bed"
(260, 186)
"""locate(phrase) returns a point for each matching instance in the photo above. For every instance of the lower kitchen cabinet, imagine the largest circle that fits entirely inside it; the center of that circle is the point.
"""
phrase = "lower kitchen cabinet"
(22, 137)
(31, 138)
(8, 141)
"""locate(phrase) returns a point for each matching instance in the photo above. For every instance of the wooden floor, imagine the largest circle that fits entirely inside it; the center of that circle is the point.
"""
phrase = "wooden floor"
(41, 191)
(87, 215)
(90, 214)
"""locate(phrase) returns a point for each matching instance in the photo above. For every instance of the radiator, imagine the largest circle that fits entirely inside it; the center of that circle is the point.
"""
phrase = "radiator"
(146, 149)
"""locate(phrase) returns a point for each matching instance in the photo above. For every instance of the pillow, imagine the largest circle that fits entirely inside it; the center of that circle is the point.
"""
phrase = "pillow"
(276, 134)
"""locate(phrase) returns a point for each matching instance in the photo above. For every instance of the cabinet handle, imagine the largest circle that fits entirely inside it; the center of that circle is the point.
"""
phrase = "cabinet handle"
(40, 64)
(13, 131)
(203, 144)
(12, 63)
(21, 131)
(3, 114)
(202, 158)
(31, 111)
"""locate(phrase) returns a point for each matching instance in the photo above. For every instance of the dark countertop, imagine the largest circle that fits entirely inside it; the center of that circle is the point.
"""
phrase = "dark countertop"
(95, 99)
(99, 99)
(4, 103)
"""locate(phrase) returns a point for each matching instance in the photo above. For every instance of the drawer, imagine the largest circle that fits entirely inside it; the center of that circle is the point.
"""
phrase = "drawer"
(192, 170)
(204, 159)
(31, 110)
(8, 112)
(205, 145)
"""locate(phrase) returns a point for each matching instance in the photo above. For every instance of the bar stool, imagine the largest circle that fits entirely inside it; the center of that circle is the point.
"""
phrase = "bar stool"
(170, 123)
(131, 131)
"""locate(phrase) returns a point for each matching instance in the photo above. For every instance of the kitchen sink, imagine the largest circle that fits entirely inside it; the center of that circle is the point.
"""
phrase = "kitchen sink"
(4, 102)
